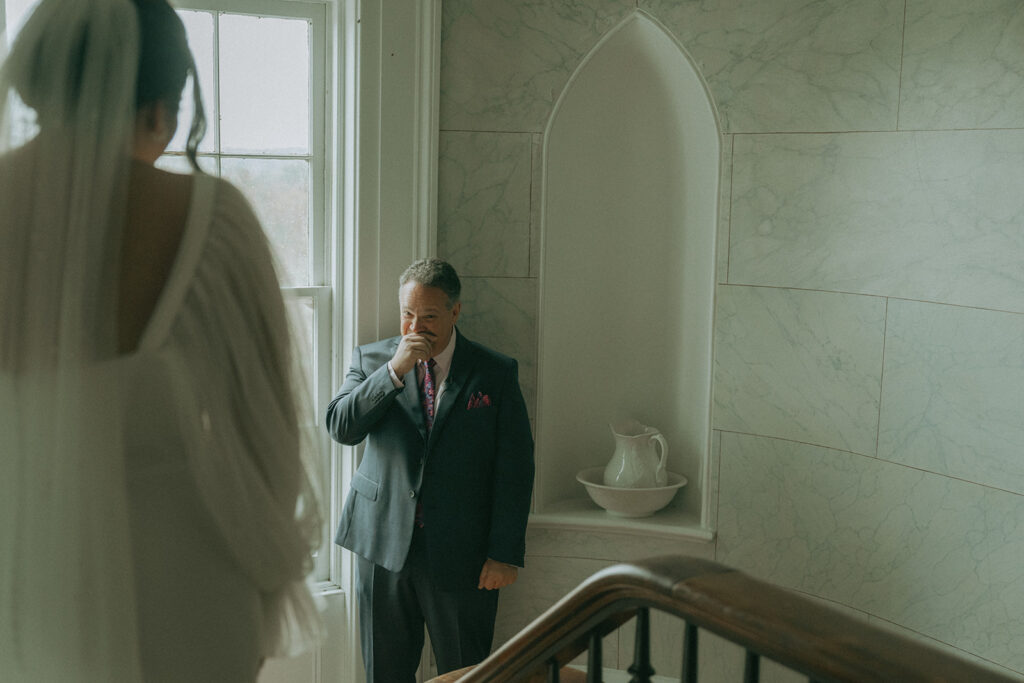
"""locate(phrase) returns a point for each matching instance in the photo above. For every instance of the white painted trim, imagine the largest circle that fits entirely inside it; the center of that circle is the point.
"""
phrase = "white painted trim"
(428, 56)
(399, 60)
(345, 307)
(310, 9)
(573, 516)
(384, 195)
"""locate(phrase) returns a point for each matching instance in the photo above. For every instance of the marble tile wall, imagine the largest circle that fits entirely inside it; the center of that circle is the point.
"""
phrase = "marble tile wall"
(953, 393)
(797, 364)
(559, 560)
(503, 64)
(938, 555)
(961, 65)
(501, 313)
(484, 191)
(869, 333)
(790, 65)
(542, 583)
(931, 215)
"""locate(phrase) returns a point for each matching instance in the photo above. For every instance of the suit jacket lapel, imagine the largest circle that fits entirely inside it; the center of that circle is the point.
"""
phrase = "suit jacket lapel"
(462, 364)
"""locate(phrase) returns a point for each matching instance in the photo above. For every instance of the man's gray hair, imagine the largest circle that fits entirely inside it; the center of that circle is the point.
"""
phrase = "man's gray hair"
(433, 272)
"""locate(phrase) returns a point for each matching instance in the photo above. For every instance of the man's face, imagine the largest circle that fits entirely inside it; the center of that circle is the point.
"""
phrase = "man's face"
(425, 312)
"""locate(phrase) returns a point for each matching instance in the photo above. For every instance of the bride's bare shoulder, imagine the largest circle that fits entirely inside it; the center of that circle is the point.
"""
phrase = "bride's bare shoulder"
(158, 185)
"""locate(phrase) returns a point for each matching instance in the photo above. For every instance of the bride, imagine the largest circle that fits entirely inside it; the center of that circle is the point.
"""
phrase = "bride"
(157, 511)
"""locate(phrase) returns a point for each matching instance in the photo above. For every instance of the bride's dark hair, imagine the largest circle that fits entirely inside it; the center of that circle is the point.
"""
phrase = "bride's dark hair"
(164, 66)
(165, 63)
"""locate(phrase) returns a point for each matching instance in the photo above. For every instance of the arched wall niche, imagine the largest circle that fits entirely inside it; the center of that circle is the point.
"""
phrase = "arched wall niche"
(629, 216)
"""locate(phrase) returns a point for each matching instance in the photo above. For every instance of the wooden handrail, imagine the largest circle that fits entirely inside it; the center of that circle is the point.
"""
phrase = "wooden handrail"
(817, 641)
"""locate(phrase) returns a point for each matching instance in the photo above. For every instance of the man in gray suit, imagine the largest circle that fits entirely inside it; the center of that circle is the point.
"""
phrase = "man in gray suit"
(438, 507)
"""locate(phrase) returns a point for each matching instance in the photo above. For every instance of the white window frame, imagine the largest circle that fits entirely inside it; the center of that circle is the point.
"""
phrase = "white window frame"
(388, 173)
(322, 223)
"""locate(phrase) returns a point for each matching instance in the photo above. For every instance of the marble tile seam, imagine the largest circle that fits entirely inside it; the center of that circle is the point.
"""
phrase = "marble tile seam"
(796, 441)
(887, 297)
(875, 131)
(731, 154)
(498, 277)
(858, 131)
(811, 289)
(899, 75)
(875, 457)
(881, 377)
(714, 489)
(485, 130)
(588, 558)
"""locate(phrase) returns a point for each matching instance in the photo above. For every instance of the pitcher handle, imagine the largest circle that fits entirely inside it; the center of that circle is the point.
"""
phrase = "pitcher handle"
(664, 451)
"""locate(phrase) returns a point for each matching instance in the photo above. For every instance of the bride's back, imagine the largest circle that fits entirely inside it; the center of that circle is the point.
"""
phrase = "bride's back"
(155, 514)
(157, 211)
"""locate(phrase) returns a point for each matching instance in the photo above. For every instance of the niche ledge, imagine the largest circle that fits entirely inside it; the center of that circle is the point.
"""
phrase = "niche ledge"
(583, 514)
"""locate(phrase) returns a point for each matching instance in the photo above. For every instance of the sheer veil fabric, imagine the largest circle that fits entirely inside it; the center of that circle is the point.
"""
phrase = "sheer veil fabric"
(216, 359)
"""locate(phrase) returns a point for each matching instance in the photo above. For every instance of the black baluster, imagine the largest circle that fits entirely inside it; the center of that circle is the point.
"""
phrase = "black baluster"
(641, 668)
(594, 659)
(690, 654)
(752, 668)
(553, 671)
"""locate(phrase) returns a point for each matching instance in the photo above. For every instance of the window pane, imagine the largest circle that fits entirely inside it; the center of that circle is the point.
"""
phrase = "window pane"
(199, 29)
(264, 85)
(23, 118)
(16, 12)
(279, 191)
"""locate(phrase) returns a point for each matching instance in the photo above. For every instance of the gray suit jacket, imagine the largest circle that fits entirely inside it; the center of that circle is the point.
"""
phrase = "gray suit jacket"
(474, 475)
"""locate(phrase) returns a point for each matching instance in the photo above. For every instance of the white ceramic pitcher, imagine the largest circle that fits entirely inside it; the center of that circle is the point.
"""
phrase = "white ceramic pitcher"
(635, 463)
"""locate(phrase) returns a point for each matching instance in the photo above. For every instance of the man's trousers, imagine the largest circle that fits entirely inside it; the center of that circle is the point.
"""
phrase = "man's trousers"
(394, 606)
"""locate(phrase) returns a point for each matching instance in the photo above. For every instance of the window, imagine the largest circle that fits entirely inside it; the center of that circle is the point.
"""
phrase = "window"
(262, 68)
(15, 13)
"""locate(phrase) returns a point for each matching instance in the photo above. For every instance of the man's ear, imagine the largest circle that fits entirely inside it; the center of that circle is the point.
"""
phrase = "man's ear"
(455, 311)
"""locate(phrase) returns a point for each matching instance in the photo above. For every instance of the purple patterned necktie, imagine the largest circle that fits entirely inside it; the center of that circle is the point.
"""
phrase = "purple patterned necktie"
(427, 399)
(428, 392)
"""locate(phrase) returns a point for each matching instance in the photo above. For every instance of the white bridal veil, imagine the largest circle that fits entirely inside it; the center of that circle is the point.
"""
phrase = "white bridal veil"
(67, 608)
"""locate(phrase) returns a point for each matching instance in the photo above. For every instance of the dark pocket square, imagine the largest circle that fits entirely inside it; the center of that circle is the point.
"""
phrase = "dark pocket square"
(478, 400)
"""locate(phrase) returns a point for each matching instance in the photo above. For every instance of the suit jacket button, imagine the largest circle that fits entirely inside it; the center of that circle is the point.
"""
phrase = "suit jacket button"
(412, 494)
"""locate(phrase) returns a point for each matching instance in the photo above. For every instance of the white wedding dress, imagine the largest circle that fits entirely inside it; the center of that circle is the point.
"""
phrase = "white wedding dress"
(158, 510)
(212, 465)
(202, 386)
